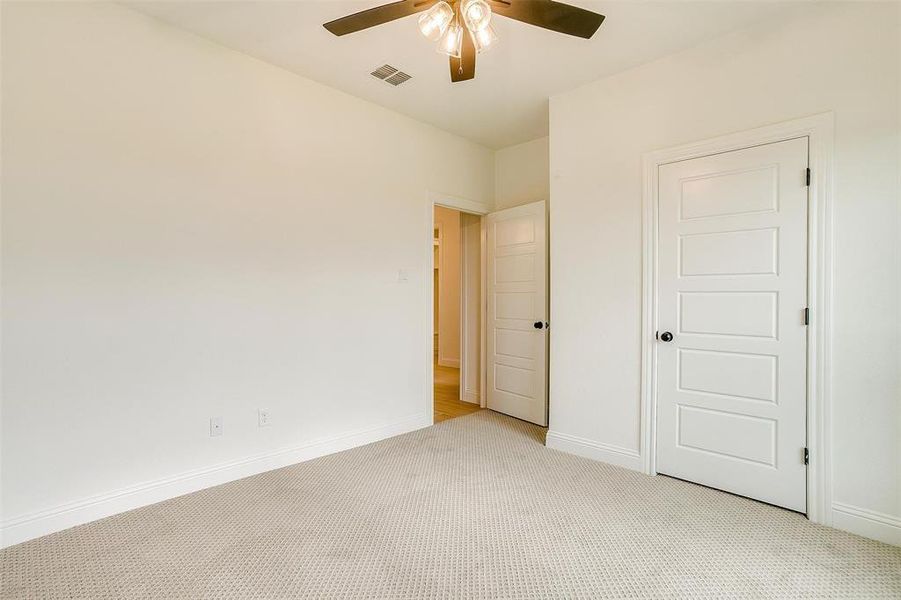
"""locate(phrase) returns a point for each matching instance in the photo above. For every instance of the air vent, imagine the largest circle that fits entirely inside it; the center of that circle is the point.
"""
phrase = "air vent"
(398, 78)
(383, 72)
(391, 75)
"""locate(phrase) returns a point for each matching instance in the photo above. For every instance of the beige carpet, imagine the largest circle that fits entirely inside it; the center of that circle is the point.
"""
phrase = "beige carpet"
(474, 507)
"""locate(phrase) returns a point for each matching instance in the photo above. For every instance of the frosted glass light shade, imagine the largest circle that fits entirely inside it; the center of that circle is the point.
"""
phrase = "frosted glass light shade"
(451, 43)
(476, 14)
(433, 22)
(484, 39)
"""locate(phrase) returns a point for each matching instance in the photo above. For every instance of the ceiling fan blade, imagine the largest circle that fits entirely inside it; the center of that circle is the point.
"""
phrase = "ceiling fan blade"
(464, 68)
(377, 16)
(555, 16)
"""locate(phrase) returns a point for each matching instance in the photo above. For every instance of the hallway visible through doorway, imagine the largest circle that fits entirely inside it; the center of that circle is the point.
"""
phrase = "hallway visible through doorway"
(456, 295)
(447, 395)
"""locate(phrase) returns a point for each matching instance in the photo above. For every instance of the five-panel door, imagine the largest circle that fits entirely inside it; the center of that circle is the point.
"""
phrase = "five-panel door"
(732, 341)
(517, 312)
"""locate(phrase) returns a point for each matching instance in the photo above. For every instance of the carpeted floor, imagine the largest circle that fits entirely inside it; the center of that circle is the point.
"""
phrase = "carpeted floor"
(474, 507)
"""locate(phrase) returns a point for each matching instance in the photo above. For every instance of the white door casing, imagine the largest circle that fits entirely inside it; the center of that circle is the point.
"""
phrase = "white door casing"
(732, 289)
(463, 205)
(517, 301)
(470, 307)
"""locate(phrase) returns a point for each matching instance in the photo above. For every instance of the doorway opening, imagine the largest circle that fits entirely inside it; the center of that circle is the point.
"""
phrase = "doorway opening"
(488, 313)
(456, 281)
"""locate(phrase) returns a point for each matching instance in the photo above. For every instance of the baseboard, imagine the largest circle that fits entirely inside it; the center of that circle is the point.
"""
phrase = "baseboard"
(608, 453)
(21, 529)
(471, 396)
(868, 523)
(449, 362)
(874, 525)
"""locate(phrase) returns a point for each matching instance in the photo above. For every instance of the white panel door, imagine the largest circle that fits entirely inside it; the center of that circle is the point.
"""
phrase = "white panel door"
(517, 312)
(732, 340)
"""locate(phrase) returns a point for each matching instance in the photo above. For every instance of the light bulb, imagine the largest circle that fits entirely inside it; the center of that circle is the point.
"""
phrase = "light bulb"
(484, 39)
(434, 22)
(477, 14)
(452, 41)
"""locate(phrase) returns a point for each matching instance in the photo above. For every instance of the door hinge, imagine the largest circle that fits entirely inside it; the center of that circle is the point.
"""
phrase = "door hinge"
(807, 316)
(808, 176)
(806, 456)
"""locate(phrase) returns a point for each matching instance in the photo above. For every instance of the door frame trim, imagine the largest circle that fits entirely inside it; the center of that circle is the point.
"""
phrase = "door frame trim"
(463, 205)
(820, 131)
(467, 317)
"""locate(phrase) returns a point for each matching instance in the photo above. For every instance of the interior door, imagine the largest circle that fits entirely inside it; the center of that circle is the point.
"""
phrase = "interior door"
(517, 312)
(732, 340)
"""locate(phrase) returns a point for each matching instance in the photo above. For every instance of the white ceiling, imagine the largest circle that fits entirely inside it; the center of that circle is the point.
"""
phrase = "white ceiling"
(507, 101)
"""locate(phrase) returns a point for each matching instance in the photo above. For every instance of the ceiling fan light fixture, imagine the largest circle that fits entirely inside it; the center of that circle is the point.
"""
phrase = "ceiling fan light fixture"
(433, 22)
(447, 21)
(451, 43)
(484, 39)
(476, 14)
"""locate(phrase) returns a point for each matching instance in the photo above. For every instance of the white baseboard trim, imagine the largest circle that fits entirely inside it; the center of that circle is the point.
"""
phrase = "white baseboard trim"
(449, 362)
(26, 527)
(471, 396)
(868, 523)
(608, 453)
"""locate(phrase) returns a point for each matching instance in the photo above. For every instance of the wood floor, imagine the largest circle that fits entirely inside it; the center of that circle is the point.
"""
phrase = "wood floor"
(447, 395)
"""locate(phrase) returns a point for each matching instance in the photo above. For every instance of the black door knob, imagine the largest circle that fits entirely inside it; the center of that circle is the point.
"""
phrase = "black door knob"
(666, 336)
(538, 324)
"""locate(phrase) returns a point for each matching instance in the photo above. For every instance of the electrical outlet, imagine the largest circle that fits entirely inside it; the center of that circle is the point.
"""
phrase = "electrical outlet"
(215, 426)
(263, 417)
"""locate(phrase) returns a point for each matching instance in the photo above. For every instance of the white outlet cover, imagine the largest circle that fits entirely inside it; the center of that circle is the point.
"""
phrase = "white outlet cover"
(264, 417)
(215, 426)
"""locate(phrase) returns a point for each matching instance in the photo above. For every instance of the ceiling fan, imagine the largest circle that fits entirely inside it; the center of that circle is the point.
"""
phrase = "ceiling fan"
(449, 21)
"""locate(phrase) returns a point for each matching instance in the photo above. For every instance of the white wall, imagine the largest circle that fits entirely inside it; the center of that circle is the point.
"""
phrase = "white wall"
(448, 222)
(521, 174)
(188, 233)
(841, 58)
